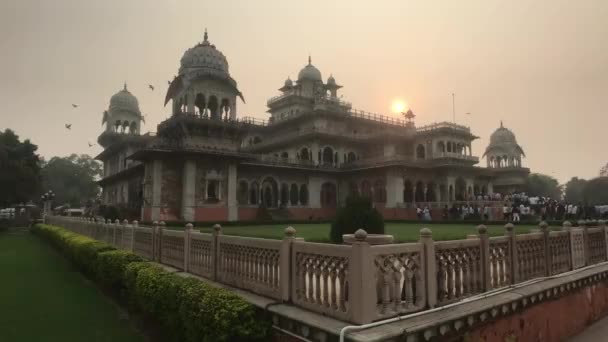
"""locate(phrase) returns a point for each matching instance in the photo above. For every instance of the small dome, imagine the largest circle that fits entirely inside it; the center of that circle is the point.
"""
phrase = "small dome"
(288, 82)
(331, 80)
(124, 101)
(204, 56)
(309, 72)
(503, 141)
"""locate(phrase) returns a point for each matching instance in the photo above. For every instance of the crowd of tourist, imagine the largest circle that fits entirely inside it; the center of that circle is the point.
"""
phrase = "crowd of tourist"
(515, 208)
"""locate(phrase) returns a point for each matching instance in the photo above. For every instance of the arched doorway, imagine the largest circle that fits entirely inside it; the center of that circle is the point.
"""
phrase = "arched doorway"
(430, 192)
(419, 195)
(243, 193)
(353, 189)
(461, 188)
(328, 195)
(328, 155)
(379, 192)
(270, 192)
(408, 192)
(303, 194)
(366, 189)
(284, 195)
(254, 193)
(293, 194)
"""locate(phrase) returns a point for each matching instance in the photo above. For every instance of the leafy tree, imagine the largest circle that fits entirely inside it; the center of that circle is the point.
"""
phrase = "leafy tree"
(542, 185)
(72, 179)
(19, 169)
(574, 190)
(595, 191)
(357, 213)
(604, 171)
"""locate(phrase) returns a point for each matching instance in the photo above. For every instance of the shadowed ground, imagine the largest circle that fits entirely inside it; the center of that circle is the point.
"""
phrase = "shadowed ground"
(402, 231)
(43, 299)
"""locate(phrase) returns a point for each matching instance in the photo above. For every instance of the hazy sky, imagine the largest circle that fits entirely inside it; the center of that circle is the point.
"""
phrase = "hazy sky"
(540, 66)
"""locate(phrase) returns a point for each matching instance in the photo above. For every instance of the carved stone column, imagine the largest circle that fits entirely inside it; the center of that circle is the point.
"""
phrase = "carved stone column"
(188, 190)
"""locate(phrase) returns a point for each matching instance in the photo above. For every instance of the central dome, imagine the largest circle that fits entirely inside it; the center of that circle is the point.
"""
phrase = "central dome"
(502, 136)
(309, 72)
(204, 56)
(124, 101)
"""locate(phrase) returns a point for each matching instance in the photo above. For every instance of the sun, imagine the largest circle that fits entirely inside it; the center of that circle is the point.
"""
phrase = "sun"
(399, 106)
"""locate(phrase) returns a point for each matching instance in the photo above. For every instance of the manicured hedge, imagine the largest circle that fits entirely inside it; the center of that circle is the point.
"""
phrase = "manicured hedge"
(187, 309)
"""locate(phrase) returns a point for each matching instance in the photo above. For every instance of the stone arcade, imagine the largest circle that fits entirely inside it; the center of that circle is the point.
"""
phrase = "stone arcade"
(205, 163)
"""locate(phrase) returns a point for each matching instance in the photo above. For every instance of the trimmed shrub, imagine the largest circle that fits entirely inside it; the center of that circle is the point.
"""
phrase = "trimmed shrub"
(358, 213)
(111, 267)
(187, 309)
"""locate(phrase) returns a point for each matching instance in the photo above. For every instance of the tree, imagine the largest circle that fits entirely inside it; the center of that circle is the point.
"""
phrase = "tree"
(574, 190)
(19, 170)
(604, 171)
(73, 179)
(595, 191)
(542, 185)
(357, 213)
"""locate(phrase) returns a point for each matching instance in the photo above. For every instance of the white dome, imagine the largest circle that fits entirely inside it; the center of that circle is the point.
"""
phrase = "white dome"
(503, 141)
(309, 72)
(204, 56)
(124, 101)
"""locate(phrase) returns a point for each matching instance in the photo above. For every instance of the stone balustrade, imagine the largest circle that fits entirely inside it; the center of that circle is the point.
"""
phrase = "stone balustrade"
(360, 281)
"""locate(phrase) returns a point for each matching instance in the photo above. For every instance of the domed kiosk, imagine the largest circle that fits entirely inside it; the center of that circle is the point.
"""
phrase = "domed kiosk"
(503, 156)
(204, 86)
(123, 114)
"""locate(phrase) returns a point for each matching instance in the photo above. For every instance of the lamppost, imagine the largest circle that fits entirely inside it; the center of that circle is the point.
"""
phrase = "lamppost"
(47, 199)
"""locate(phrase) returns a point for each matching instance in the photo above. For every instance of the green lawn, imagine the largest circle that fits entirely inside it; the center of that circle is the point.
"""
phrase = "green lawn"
(43, 299)
(402, 231)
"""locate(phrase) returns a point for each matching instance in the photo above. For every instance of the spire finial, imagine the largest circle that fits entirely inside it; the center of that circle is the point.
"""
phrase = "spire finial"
(309, 60)
(206, 37)
(501, 124)
(125, 88)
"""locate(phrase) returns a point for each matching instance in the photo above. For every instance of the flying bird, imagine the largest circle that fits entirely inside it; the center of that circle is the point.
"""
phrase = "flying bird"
(74, 105)
(169, 82)
(68, 126)
(151, 87)
(91, 145)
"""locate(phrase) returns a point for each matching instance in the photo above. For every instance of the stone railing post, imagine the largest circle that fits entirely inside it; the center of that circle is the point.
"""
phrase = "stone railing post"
(430, 266)
(544, 228)
(362, 286)
(125, 226)
(484, 245)
(583, 224)
(514, 266)
(567, 226)
(285, 263)
(602, 224)
(154, 238)
(131, 245)
(217, 231)
(159, 241)
(187, 234)
(107, 231)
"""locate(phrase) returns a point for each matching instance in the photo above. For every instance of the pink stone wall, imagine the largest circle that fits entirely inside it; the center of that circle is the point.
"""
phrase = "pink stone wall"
(210, 214)
(552, 320)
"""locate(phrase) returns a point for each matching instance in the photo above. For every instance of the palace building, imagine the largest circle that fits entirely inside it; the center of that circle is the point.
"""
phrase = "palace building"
(205, 163)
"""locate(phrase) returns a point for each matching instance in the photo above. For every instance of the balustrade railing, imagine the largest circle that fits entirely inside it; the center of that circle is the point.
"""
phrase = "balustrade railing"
(359, 282)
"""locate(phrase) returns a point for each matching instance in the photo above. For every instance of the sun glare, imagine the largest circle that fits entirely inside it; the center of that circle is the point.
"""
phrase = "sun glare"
(399, 106)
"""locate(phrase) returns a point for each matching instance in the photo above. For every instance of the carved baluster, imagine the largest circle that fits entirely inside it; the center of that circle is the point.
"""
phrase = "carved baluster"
(466, 274)
(343, 281)
(458, 256)
(450, 276)
(332, 285)
(317, 281)
(441, 278)
(325, 276)
(310, 275)
(495, 266)
(408, 287)
(396, 288)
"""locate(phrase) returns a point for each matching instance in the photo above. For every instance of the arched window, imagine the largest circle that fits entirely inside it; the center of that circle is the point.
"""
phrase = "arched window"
(379, 192)
(449, 147)
(461, 186)
(225, 109)
(328, 195)
(303, 194)
(254, 193)
(441, 147)
(420, 153)
(351, 157)
(213, 106)
(293, 194)
(285, 155)
(125, 126)
(270, 193)
(451, 193)
(243, 192)
(430, 192)
(353, 189)
(328, 155)
(200, 103)
(304, 154)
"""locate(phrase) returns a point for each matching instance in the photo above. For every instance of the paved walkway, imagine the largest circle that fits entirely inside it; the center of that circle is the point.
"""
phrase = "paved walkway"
(43, 299)
(598, 331)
